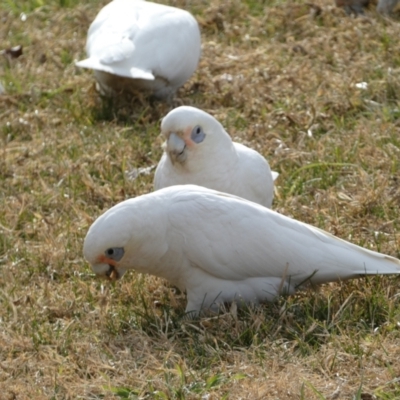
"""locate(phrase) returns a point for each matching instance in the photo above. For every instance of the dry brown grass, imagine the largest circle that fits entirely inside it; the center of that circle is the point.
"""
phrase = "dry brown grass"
(281, 78)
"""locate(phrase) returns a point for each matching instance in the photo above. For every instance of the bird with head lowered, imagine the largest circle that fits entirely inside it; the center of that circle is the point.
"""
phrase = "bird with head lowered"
(221, 248)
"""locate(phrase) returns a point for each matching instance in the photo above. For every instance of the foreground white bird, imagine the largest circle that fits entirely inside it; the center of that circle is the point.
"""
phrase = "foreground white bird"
(199, 151)
(221, 248)
(139, 45)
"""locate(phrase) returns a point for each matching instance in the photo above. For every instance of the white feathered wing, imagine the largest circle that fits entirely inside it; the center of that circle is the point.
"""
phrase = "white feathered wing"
(241, 250)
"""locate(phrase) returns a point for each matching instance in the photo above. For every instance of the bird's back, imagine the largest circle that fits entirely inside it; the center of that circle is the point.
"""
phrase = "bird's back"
(234, 239)
(143, 40)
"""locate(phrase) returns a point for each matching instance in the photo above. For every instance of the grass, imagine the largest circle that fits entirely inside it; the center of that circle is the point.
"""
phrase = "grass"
(65, 152)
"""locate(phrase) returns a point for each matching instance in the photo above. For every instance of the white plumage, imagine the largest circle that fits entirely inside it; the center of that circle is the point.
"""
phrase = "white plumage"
(220, 248)
(199, 151)
(138, 45)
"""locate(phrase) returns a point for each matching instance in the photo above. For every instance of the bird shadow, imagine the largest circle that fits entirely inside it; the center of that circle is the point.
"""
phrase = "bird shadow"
(128, 108)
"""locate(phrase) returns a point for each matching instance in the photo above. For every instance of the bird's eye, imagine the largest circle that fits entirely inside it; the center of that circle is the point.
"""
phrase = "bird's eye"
(115, 253)
(198, 134)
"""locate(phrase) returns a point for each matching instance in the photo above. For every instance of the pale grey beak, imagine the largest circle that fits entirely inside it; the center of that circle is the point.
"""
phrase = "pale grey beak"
(176, 148)
(108, 271)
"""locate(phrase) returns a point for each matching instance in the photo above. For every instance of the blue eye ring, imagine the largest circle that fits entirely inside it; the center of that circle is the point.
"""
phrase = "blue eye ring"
(115, 253)
(197, 134)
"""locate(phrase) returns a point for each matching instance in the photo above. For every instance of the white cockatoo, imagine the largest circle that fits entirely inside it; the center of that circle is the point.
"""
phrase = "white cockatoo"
(221, 248)
(199, 151)
(139, 45)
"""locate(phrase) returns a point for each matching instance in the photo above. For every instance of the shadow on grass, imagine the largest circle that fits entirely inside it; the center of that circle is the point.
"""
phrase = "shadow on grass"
(126, 109)
(303, 322)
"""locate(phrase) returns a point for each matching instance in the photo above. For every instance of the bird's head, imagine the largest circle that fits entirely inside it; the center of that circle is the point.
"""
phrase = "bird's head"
(192, 134)
(123, 238)
(106, 242)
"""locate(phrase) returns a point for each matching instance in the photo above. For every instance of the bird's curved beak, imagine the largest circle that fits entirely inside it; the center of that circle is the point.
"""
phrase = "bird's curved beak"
(176, 147)
(108, 271)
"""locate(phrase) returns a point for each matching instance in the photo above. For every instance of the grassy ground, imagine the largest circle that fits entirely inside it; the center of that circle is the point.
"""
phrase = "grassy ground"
(281, 76)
